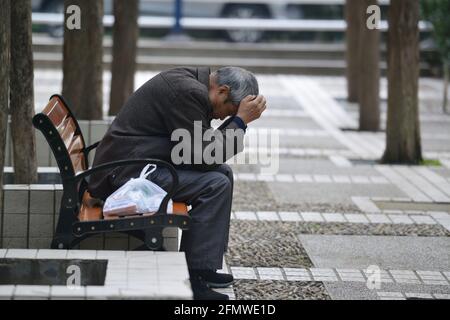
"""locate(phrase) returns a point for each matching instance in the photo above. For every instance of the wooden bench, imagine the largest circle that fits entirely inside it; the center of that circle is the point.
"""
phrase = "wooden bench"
(80, 215)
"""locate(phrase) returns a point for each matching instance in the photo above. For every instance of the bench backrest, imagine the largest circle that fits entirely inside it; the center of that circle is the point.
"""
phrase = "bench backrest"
(64, 136)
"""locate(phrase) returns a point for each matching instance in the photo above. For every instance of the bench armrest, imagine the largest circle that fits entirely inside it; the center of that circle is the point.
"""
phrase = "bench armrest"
(90, 148)
(122, 163)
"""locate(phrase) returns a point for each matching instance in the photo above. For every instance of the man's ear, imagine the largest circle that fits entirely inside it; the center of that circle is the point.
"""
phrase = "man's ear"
(224, 90)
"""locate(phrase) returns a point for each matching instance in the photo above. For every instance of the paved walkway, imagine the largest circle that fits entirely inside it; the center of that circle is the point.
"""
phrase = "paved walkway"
(313, 229)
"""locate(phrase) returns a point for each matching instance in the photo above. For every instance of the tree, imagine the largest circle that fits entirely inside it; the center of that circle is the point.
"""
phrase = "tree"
(83, 59)
(22, 94)
(5, 28)
(369, 74)
(353, 15)
(403, 129)
(436, 12)
(123, 67)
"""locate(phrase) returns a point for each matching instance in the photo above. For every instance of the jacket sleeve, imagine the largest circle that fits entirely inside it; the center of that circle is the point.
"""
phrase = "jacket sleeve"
(195, 142)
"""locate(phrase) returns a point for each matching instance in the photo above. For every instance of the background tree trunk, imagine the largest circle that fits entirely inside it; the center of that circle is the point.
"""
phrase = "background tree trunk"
(354, 14)
(446, 67)
(369, 74)
(82, 66)
(125, 36)
(403, 143)
(22, 95)
(4, 82)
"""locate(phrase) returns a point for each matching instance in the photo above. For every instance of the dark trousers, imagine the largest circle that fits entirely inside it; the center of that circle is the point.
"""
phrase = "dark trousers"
(210, 195)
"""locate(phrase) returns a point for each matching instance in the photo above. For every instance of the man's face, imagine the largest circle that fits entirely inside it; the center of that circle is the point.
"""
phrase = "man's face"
(219, 97)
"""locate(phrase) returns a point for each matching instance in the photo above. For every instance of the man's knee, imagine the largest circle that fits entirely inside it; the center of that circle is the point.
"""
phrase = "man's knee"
(226, 170)
(221, 183)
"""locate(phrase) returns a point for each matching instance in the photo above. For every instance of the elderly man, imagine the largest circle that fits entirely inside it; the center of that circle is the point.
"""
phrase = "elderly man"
(188, 99)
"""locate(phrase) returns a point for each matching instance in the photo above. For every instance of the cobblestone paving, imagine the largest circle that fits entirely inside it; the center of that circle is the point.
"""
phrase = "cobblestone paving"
(279, 290)
(276, 244)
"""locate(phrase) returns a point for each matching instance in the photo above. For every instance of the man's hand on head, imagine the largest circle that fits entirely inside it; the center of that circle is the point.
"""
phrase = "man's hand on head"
(251, 108)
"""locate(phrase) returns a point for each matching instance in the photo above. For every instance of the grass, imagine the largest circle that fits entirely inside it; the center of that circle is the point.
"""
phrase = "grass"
(431, 162)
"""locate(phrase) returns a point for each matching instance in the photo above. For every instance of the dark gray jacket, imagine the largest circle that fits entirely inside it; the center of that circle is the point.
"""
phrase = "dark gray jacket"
(172, 99)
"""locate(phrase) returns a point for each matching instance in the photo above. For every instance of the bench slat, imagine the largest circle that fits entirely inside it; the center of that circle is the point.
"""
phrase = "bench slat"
(56, 111)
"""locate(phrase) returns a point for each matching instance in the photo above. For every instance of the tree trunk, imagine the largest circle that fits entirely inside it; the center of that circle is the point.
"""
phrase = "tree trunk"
(4, 83)
(125, 35)
(403, 143)
(82, 66)
(22, 95)
(369, 74)
(446, 67)
(354, 14)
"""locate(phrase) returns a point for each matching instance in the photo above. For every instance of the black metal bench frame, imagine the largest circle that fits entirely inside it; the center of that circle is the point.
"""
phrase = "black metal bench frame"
(70, 231)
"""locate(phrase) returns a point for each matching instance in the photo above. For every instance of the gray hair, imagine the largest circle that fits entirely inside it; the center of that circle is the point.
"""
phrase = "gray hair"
(242, 83)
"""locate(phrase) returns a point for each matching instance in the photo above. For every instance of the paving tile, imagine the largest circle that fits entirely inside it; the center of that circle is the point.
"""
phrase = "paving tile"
(391, 296)
(442, 296)
(305, 278)
(6, 292)
(139, 254)
(311, 217)
(147, 292)
(421, 219)
(51, 254)
(82, 254)
(171, 259)
(319, 178)
(341, 179)
(289, 216)
(438, 215)
(351, 275)
(15, 225)
(360, 179)
(245, 215)
(418, 295)
(267, 216)
(110, 254)
(426, 273)
(365, 204)
(333, 217)
(102, 292)
(378, 218)
(40, 225)
(21, 253)
(379, 180)
(65, 292)
(325, 278)
(41, 199)
(284, 178)
(176, 291)
(356, 218)
(247, 176)
(295, 271)
(303, 178)
(243, 273)
(16, 199)
(400, 219)
(265, 177)
(32, 292)
(271, 271)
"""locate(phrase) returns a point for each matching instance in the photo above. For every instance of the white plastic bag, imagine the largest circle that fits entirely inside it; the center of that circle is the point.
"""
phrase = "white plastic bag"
(137, 196)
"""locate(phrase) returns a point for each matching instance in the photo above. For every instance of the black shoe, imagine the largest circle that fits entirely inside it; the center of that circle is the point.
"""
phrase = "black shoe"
(203, 292)
(214, 279)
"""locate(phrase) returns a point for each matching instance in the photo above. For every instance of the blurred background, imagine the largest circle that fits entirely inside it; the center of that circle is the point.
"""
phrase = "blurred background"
(296, 36)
